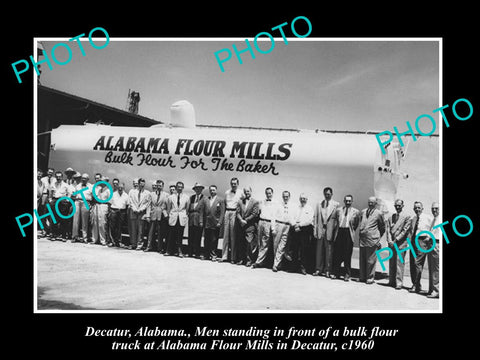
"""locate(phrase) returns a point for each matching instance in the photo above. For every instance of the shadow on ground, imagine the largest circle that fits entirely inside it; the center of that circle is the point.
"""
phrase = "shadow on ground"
(54, 304)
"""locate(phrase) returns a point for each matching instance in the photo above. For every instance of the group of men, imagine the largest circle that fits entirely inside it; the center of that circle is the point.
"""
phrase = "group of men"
(256, 233)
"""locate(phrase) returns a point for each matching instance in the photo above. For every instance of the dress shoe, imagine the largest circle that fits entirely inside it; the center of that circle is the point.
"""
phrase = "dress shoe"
(146, 250)
(346, 278)
(249, 263)
(167, 254)
(332, 276)
(316, 273)
(255, 265)
(274, 269)
(327, 274)
(202, 257)
(370, 281)
(303, 272)
(181, 255)
(398, 287)
(240, 262)
(413, 289)
(433, 295)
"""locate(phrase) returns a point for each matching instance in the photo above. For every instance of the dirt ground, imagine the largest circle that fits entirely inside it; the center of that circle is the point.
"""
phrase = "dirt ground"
(86, 277)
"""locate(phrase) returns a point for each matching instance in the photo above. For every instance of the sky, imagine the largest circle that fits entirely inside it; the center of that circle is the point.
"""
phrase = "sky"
(309, 84)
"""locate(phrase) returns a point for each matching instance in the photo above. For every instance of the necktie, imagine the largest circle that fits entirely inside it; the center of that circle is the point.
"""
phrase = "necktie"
(326, 205)
(368, 213)
(178, 199)
(416, 226)
(139, 195)
(158, 196)
(344, 222)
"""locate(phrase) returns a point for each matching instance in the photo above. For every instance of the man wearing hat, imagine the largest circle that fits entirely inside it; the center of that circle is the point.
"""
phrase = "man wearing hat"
(195, 223)
(69, 172)
(81, 218)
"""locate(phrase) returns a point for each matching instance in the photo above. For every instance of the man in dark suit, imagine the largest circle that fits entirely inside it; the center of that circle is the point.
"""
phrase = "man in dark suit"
(346, 220)
(398, 226)
(247, 217)
(213, 211)
(195, 225)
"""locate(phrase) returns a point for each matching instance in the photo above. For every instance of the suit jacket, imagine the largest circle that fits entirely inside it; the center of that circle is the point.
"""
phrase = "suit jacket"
(371, 228)
(354, 219)
(249, 213)
(399, 231)
(324, 221)
(138, 205)
(213, 215)
(158, 206)
(177, 211)
(195, 211)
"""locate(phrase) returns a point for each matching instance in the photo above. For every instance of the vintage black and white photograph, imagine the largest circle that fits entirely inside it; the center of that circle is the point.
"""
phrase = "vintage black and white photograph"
(268, 174)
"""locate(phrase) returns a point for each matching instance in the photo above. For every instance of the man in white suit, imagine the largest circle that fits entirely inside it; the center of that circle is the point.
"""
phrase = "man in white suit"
(346, 220)
(157, 216)
(323, 227)
(177, 206)
(139, 201)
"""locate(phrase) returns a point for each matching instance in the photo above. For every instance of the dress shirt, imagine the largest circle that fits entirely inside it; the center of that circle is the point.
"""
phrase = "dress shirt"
(87, 193)
(211, 200)
(424, 223)
(284, 213)
(119, 201)
(232, 199)
(48, 182)
(60, 189)
(345, 220)
(436, 232)
(268, 209)
(304, 215)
